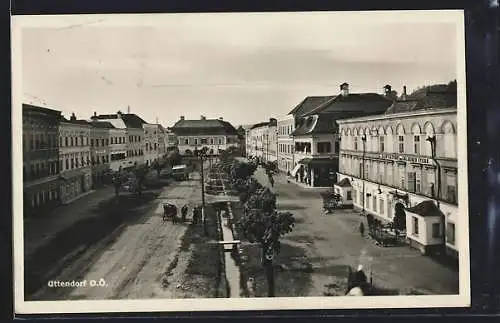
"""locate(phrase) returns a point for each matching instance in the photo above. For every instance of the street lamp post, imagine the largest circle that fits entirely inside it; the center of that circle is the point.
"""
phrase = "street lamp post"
(363, 139)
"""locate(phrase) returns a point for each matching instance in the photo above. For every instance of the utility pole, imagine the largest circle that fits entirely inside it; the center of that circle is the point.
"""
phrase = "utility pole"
(363, 139)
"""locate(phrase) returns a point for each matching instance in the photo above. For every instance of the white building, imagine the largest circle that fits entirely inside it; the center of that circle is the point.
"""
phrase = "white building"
(262, 140)
(285, 125)
(401, 167)
(117, 149)
(74, 158)
(134, 137)
(215, 134)
(152, 135)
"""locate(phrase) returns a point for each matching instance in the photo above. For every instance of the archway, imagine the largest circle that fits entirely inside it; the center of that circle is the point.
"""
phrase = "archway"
(399, 217)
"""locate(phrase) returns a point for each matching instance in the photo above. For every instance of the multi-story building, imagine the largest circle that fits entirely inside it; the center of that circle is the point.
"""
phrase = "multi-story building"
(171, 141)
(162, 148)
(401, 167)
(316, 140)
(242, 141)
(118, 149)
(256, 143)
(100, 153)
(285, 125)
(40, 158)
(151, 143)
(134, 134)
(74, 158)
(215, 134)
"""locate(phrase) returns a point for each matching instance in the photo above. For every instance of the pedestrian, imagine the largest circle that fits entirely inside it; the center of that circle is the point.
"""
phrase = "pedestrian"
(184, 211)
(362, 229)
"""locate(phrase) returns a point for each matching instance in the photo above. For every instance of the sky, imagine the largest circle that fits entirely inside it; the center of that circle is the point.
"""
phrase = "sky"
(242, 67)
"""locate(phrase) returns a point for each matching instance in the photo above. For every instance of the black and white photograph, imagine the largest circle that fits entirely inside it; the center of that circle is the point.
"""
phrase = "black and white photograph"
(239, 161)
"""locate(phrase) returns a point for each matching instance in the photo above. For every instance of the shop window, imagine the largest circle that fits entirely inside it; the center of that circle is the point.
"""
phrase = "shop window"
(415, 226)
(450, 233)
(436, 230)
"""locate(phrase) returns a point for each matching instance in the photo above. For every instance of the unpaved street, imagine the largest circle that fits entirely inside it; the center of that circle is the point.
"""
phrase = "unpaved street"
(131, 264)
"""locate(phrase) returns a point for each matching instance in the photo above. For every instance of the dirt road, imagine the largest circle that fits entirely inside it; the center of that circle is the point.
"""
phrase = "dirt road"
(130, 265)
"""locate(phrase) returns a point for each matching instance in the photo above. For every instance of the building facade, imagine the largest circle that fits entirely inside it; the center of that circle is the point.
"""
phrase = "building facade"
(74, 158)
(40, 159)
(215, 134)
(100, 152)
(152, 143)
(285, 126)
(117, 149)
(316, 137)
(401, 167)
(134, 138)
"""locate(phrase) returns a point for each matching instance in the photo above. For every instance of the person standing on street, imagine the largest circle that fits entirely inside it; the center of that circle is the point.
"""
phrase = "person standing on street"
(362, 229)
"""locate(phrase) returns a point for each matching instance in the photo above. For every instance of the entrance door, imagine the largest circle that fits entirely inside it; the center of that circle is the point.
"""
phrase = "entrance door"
(399, 217)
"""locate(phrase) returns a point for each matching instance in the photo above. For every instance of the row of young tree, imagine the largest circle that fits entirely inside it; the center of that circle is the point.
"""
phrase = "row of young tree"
(261, 222)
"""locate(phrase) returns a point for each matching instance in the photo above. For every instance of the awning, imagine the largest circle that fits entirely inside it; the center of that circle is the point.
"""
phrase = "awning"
(295, 169)
(317, 161)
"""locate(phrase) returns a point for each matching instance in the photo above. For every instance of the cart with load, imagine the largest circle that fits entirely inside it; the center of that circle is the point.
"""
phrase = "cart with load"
(170, 212)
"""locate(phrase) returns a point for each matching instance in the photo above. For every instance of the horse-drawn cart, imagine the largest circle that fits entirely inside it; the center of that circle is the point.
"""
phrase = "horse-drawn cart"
(169, 212)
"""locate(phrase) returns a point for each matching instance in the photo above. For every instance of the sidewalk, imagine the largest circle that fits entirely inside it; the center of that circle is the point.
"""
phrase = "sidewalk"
(39, 231)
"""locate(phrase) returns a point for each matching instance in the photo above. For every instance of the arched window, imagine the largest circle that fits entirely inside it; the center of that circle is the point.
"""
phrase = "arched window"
(401, 139)
(449, 140)
(381, 140)
(416, 138)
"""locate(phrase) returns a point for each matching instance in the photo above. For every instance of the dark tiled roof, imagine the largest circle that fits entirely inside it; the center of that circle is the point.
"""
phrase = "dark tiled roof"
(426, 208)
(344, 183)
(101, 124)
(258, 125)
(309, 104)
(28, 107)
(80, 122)
(368, 102)
(431, 97)
(131, 120)
(203, 126)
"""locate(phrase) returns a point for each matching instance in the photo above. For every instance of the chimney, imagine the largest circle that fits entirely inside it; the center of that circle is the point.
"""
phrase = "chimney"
(221, 118)
(73, 117)
(94, 117)
(119, 114)
(403, 96)
(128, 109)
(182, 117)
(203, 118)
(344, 89)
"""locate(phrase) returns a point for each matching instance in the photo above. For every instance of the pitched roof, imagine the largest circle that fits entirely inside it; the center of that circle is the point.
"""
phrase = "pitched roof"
(101, 124)
(27, 107)
(368, 102)
(426, 208)
(260, 124)
(309, 104)
(203, 126)
(430, 97)
(130, 120)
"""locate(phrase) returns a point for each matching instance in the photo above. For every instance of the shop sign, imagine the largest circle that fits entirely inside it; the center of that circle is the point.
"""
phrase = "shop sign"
(411, 159)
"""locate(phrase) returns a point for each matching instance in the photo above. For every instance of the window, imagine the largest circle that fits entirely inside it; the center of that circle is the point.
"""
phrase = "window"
(349, 195)
(450, 233)
(186, 141)
(204, 141)
(92, 142)
(417, 183)
(355, 143)
(411, 182)
(416, 145)
(451, 194)
(66, 141)
(436, 230)
(381, 207)
(67, 163)
(381, 144)
(195, 141)
(401, 140)
(415, 226)
(337, 147)
(324, 147)
(211, 141)
(374, 204)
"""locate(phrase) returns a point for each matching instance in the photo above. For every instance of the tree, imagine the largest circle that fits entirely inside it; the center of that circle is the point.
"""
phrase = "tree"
(140, 177)
(117, 180)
